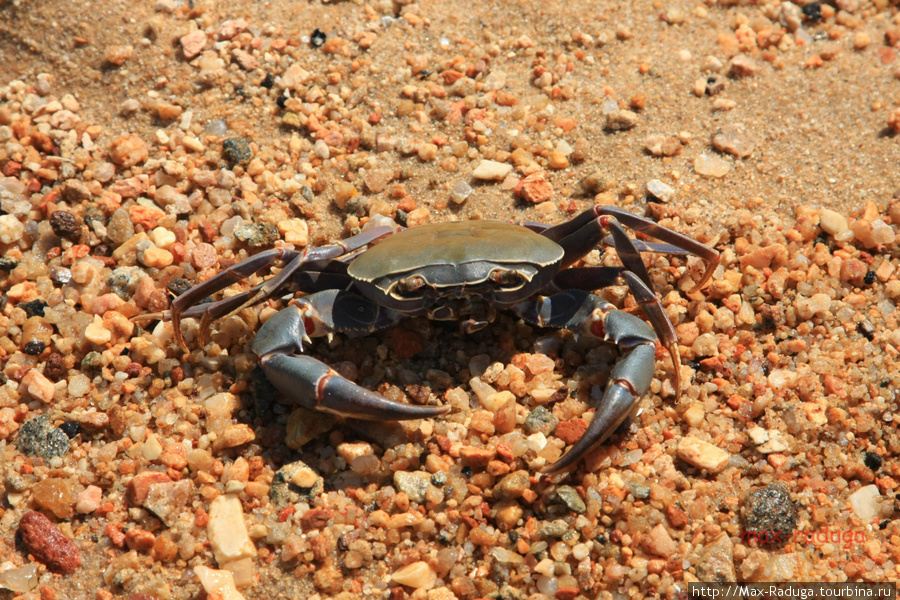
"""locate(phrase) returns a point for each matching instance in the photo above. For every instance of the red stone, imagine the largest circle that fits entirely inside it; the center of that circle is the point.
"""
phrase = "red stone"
(139, 486)
(407, 343)
(47, 543)
(571, 431)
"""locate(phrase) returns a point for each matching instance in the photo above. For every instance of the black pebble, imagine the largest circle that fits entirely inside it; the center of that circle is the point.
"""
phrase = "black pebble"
(35, 308)
(318, 38)
(71, 428)
(268, 81)
(872, 461)
(34, 348)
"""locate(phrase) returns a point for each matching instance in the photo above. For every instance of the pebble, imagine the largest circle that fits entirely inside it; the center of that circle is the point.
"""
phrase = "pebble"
(236, 150)
(97, 333)
(38, 386)
(166, 499)
(865, 503)
(193, 44)
(702, 455)
(47, 543)
(460, 192)
(414, 484)
(89, 500)
(873, 233)
(118, 55)
(295, 232)
(218, 584)
(541, 420)
(491, 170)
(55, 495)
(417, 575)
(227, 530)
(535, 188)
(660, 543)
(711, 166)
(155, 258)
(661, 145)
(660, 190)
(128, 150)
(557, 160)
(11, 229)
(769, 509)
(742, 66)
(21, 579)
(571, 498)
(621, 119)
(832, 222)
(734, 139)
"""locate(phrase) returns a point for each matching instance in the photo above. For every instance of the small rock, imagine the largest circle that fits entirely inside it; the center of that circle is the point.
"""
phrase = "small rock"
(55, 495)
(11, 229)
(236, 150)
(89, 500)
(139, 487)
(166, 499)
(227, 530)
(193, 43)
(38, 386)
(832, 222)
(535, 188)
(293, 483)
(742, 66)
(460, 192)
(660, 543)
(118, 55)
(660, 190)
(735, 140)
(47, 543)
(711, 166)
(570, 497)
(491, 170)
(660, 145)
(865, 503)
(128, 150)
(702, 454)
(38, 438)
(295, 77)
(414, 483)
(769, 513)
(620, 120)
(218, 584)
(541, 420)
(512, 485)
(715, 560)
(418, 575)
(263, 234)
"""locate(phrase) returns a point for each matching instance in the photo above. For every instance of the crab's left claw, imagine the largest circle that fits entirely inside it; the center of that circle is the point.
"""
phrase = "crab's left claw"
(311, 383)
(630, 379)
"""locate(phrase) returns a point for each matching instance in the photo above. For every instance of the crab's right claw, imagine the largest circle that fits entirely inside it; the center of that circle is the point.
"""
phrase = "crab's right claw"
(309, 382)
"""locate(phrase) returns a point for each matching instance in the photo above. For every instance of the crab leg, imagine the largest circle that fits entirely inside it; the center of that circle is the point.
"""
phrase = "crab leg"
(309, 382)
(292, 259)
(579, 311)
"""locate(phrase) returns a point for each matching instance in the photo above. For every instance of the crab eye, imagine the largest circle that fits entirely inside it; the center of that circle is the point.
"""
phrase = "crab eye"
(409, 288)
(508, 279)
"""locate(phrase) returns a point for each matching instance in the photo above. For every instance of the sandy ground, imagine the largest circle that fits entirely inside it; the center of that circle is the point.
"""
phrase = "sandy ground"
(766, 131)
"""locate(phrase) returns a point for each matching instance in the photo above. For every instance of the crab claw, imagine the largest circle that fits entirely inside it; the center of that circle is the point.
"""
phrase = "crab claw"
(311, 383)
(582, 312)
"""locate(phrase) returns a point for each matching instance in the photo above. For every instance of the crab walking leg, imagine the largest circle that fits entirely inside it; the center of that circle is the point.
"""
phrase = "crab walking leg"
(292, 259)
(311, 383)
(580, 311)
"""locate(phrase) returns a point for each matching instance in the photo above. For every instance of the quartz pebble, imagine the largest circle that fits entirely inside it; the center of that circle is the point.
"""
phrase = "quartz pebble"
(735, 140)
(702, 455)
(193, 43)
(218, 583)
(620, 120)
(711, 166)
(491, 170)
(227, 531)
(832, 222)
(865, 503)
(660, 190)
(418, 575)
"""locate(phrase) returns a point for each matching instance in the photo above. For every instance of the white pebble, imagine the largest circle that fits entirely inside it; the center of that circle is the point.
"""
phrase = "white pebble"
(11, 230)
(491, 170)
(832, 222)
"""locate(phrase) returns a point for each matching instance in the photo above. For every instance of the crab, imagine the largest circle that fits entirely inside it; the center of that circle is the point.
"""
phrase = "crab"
(455, 271)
